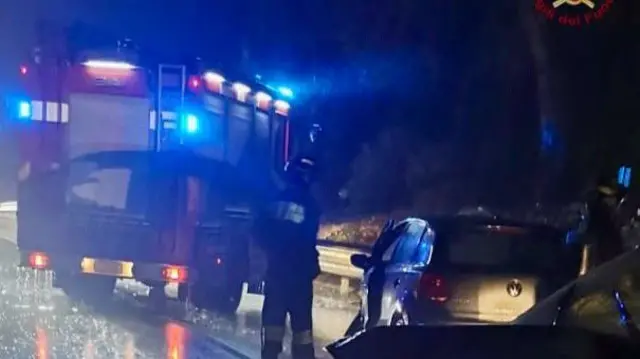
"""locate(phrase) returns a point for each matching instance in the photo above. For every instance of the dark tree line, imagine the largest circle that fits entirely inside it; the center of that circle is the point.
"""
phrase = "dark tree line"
(529, 110)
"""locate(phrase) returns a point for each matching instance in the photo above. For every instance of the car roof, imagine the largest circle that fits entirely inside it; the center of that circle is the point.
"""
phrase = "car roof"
(449, 222)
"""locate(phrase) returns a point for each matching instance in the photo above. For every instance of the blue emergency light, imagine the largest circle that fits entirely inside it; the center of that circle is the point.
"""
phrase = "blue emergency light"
(190, 124)
(624, 176)
(286, 92)
(24, 109)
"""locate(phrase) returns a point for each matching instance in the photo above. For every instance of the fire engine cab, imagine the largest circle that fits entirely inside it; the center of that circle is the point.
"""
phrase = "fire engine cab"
(147, 174)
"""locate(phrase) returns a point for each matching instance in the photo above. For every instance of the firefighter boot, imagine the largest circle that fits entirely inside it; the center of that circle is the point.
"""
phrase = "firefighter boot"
(302, 351)
(302, 345)
(272, 337)
(271, 350)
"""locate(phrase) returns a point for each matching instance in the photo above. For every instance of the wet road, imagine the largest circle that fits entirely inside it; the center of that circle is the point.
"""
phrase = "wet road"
(125, 326)
(48, 325)
(88, 335)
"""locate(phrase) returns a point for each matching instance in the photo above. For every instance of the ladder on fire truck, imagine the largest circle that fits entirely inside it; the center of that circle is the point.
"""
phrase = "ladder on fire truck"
(169, 101)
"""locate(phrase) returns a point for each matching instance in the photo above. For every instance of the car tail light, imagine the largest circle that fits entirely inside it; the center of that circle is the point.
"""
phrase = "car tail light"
(38, 260)
(174, 274)
(433, 287)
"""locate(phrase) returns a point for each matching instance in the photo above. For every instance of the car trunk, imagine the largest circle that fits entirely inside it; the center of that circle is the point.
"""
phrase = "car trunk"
(490, 297)
(496, 274)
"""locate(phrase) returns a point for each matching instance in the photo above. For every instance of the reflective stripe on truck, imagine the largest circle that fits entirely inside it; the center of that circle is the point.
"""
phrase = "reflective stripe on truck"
(56, 112)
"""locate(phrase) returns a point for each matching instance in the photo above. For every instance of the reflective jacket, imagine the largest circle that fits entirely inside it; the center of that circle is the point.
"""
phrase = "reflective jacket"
(287, 229)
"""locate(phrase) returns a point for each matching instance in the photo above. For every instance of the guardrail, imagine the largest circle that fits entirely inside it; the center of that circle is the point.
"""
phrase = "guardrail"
(335, 258)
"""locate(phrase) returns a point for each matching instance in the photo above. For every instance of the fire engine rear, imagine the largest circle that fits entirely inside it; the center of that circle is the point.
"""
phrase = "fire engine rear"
(146, 175)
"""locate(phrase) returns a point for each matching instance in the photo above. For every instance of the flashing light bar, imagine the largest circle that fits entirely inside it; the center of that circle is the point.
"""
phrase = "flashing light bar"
(262, 100)
(210, 76)
(282, 107)
(241, 88)
(286, 92)
(262, 97)
(213, 81)
(241, 91)
(105, 64)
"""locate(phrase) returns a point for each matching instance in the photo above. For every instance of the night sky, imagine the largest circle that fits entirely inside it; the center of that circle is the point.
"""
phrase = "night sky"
(390, 43)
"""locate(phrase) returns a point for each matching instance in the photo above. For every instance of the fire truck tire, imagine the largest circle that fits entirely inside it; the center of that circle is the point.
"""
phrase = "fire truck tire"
(223, 299)
(227, 299)
(87, 288)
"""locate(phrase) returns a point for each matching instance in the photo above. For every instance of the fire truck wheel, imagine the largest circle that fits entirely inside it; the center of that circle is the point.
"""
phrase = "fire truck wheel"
(87, 288)
(227, 299)
(157, 298)
(182, 292)
(224, 300)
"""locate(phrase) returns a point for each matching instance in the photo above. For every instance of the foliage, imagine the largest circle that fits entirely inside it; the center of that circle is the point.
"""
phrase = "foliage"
(397, 170)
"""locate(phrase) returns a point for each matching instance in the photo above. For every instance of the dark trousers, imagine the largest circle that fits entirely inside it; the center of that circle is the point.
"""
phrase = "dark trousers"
(287, 295)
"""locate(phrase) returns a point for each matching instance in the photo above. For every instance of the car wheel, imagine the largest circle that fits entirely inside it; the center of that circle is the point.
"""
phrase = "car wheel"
(226, 300)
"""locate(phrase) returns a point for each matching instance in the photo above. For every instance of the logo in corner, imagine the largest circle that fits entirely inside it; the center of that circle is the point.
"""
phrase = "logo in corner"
(514, 288)
(574, 12)
(590, 4)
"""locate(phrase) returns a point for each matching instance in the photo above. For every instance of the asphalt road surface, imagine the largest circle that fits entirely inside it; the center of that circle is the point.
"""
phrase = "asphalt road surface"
(49, 325)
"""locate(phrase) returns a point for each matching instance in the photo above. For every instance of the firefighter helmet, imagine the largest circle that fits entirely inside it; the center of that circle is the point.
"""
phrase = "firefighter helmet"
(300, 169)
(609, 188)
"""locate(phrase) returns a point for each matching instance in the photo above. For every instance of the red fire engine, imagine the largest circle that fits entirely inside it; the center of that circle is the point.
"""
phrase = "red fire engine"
(139, 174)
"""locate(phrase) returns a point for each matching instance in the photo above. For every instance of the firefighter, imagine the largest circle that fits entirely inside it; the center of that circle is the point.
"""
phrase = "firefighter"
(287, 230)
(602, 227)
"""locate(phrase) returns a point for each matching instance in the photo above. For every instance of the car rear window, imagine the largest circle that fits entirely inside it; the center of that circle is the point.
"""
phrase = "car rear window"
(500, 248)
(111, 188)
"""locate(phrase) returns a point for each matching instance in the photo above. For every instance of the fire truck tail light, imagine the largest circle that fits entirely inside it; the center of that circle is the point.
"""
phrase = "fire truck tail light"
(174, 274)
(38, 260)
(105, 64)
